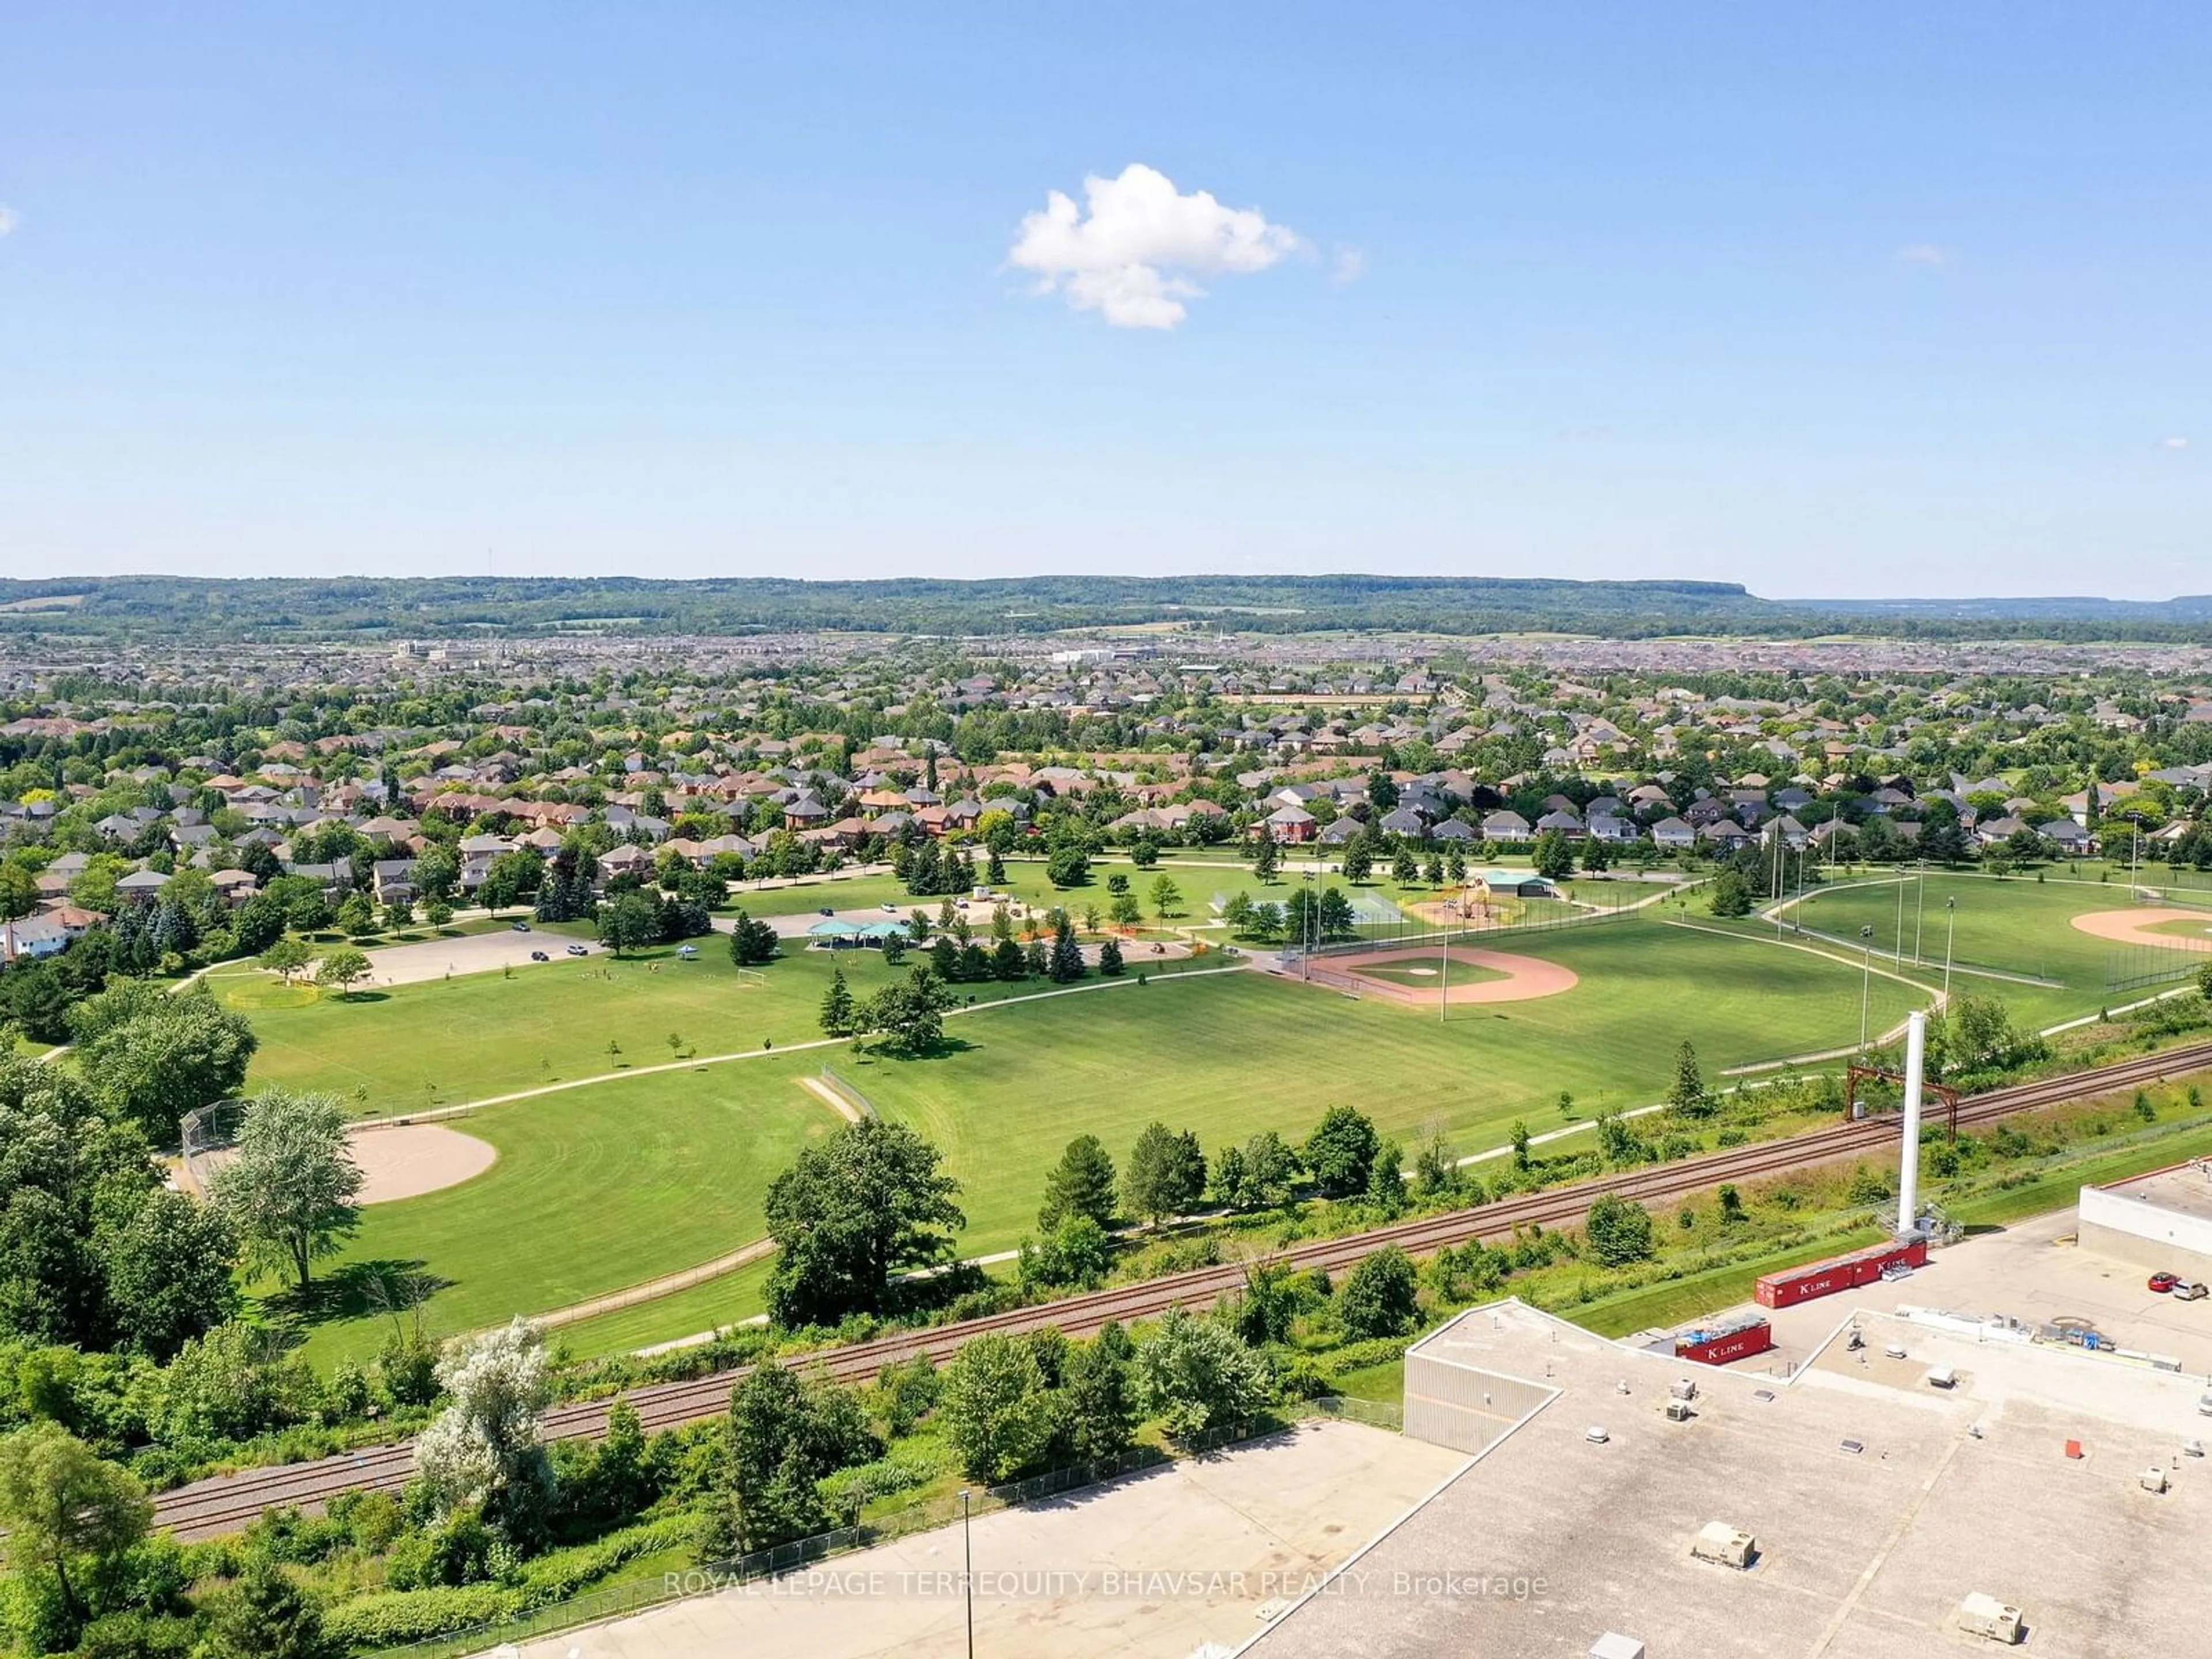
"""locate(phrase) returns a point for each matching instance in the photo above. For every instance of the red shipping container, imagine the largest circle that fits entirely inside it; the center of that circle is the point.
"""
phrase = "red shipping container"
(1817, 1278)
(1718, 1345)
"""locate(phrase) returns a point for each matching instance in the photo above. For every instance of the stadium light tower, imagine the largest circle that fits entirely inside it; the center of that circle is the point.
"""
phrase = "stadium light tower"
(1950, 928)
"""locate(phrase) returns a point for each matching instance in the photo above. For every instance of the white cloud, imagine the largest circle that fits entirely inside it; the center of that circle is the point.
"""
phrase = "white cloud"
(9, 220)
(1133, 258)
(2175, 443)
(1927, 256)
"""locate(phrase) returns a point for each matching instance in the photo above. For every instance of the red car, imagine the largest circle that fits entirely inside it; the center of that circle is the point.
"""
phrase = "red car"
(2164, 1282)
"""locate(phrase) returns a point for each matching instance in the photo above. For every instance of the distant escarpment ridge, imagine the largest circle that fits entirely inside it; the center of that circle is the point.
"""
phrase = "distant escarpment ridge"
(373, 610)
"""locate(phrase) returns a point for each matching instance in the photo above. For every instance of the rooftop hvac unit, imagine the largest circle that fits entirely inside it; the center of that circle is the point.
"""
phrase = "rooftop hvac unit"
(1614, 1645)
(1678, 1411)
(1942, 1376)
(1731, 1546)
(1683, 1389)
(2153, 1480)
(1595, 1434)
(1986, 1616)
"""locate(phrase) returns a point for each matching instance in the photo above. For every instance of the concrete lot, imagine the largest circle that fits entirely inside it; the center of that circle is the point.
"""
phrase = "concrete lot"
(1549, 1540)
(1158, 1563)
(2034, 1272)
(471, 953)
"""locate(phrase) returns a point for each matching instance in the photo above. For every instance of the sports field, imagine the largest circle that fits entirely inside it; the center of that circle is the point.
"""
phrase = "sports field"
(594, 1189)
(2006, 931)
(413, 1048)
(612, 1183)
(1232, 1054)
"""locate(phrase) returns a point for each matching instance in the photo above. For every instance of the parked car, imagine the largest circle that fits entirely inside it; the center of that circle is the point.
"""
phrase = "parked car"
(519, 927)
(829, 910)
(2164, 1282)
(2188, 1290)
(539, 956)
(890, 909)
(579, 949)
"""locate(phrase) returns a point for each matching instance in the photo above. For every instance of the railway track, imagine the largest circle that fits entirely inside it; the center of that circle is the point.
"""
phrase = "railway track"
(226, 1503)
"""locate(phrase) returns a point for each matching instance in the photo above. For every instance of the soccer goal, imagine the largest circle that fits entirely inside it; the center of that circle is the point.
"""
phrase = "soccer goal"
(751, 976)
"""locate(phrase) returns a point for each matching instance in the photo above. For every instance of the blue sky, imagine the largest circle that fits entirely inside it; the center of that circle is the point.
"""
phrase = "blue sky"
(1881, 299)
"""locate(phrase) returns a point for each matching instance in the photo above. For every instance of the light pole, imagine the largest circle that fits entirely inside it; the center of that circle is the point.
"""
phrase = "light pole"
(968, 1571)
(1950, 928)
(1865, 980)
(1897, 954)
(1919, 913)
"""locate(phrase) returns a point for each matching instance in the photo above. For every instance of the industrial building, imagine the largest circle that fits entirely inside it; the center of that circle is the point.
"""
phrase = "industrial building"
(1923, 1483)
(2162, 1222)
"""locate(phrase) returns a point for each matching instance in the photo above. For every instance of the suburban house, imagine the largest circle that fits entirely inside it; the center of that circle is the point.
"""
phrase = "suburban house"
(1506, 826)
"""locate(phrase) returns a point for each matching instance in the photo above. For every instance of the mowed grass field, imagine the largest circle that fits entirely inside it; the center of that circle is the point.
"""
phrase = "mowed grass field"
(612, 1183)
(1232, 1055)
(2013, 925)
(441, 1042)
(595, 1189)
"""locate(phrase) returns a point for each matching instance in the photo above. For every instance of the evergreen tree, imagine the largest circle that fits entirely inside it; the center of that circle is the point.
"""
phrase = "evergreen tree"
(1109, 958)
(1688, 1095)
(839, 1011)
(1080, 1184)
(1067, 964)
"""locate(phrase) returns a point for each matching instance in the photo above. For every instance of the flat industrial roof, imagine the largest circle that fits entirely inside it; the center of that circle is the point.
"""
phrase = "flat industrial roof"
(1549, 1541)
(2186, 1188)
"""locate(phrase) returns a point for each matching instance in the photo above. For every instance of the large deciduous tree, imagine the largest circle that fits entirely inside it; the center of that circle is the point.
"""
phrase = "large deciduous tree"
(997, 1412)
(342, 969)
(483, 1451)
(289, 1189)
(1340, 1153)
(67, 1512)
(1195, 1373)
(855, 1209)
(1166, 1174)
(152, 1057)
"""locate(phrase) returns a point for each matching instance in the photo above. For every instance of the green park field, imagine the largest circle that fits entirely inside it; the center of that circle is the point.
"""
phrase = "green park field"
(444, 1042)
(613, 1182)
(594, 1189)
(2009, 935)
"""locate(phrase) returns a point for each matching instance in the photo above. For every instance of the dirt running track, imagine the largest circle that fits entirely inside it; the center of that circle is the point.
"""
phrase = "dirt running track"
(2134, 927)
(1527, 978)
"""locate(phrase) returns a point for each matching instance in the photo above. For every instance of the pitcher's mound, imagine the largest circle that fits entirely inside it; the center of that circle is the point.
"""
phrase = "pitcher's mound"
(409, 1159)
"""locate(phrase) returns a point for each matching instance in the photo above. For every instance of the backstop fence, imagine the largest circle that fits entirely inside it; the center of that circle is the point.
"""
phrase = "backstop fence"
(2135, 967)
(848, 1092)
(1410, 930)
(203, 1131)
